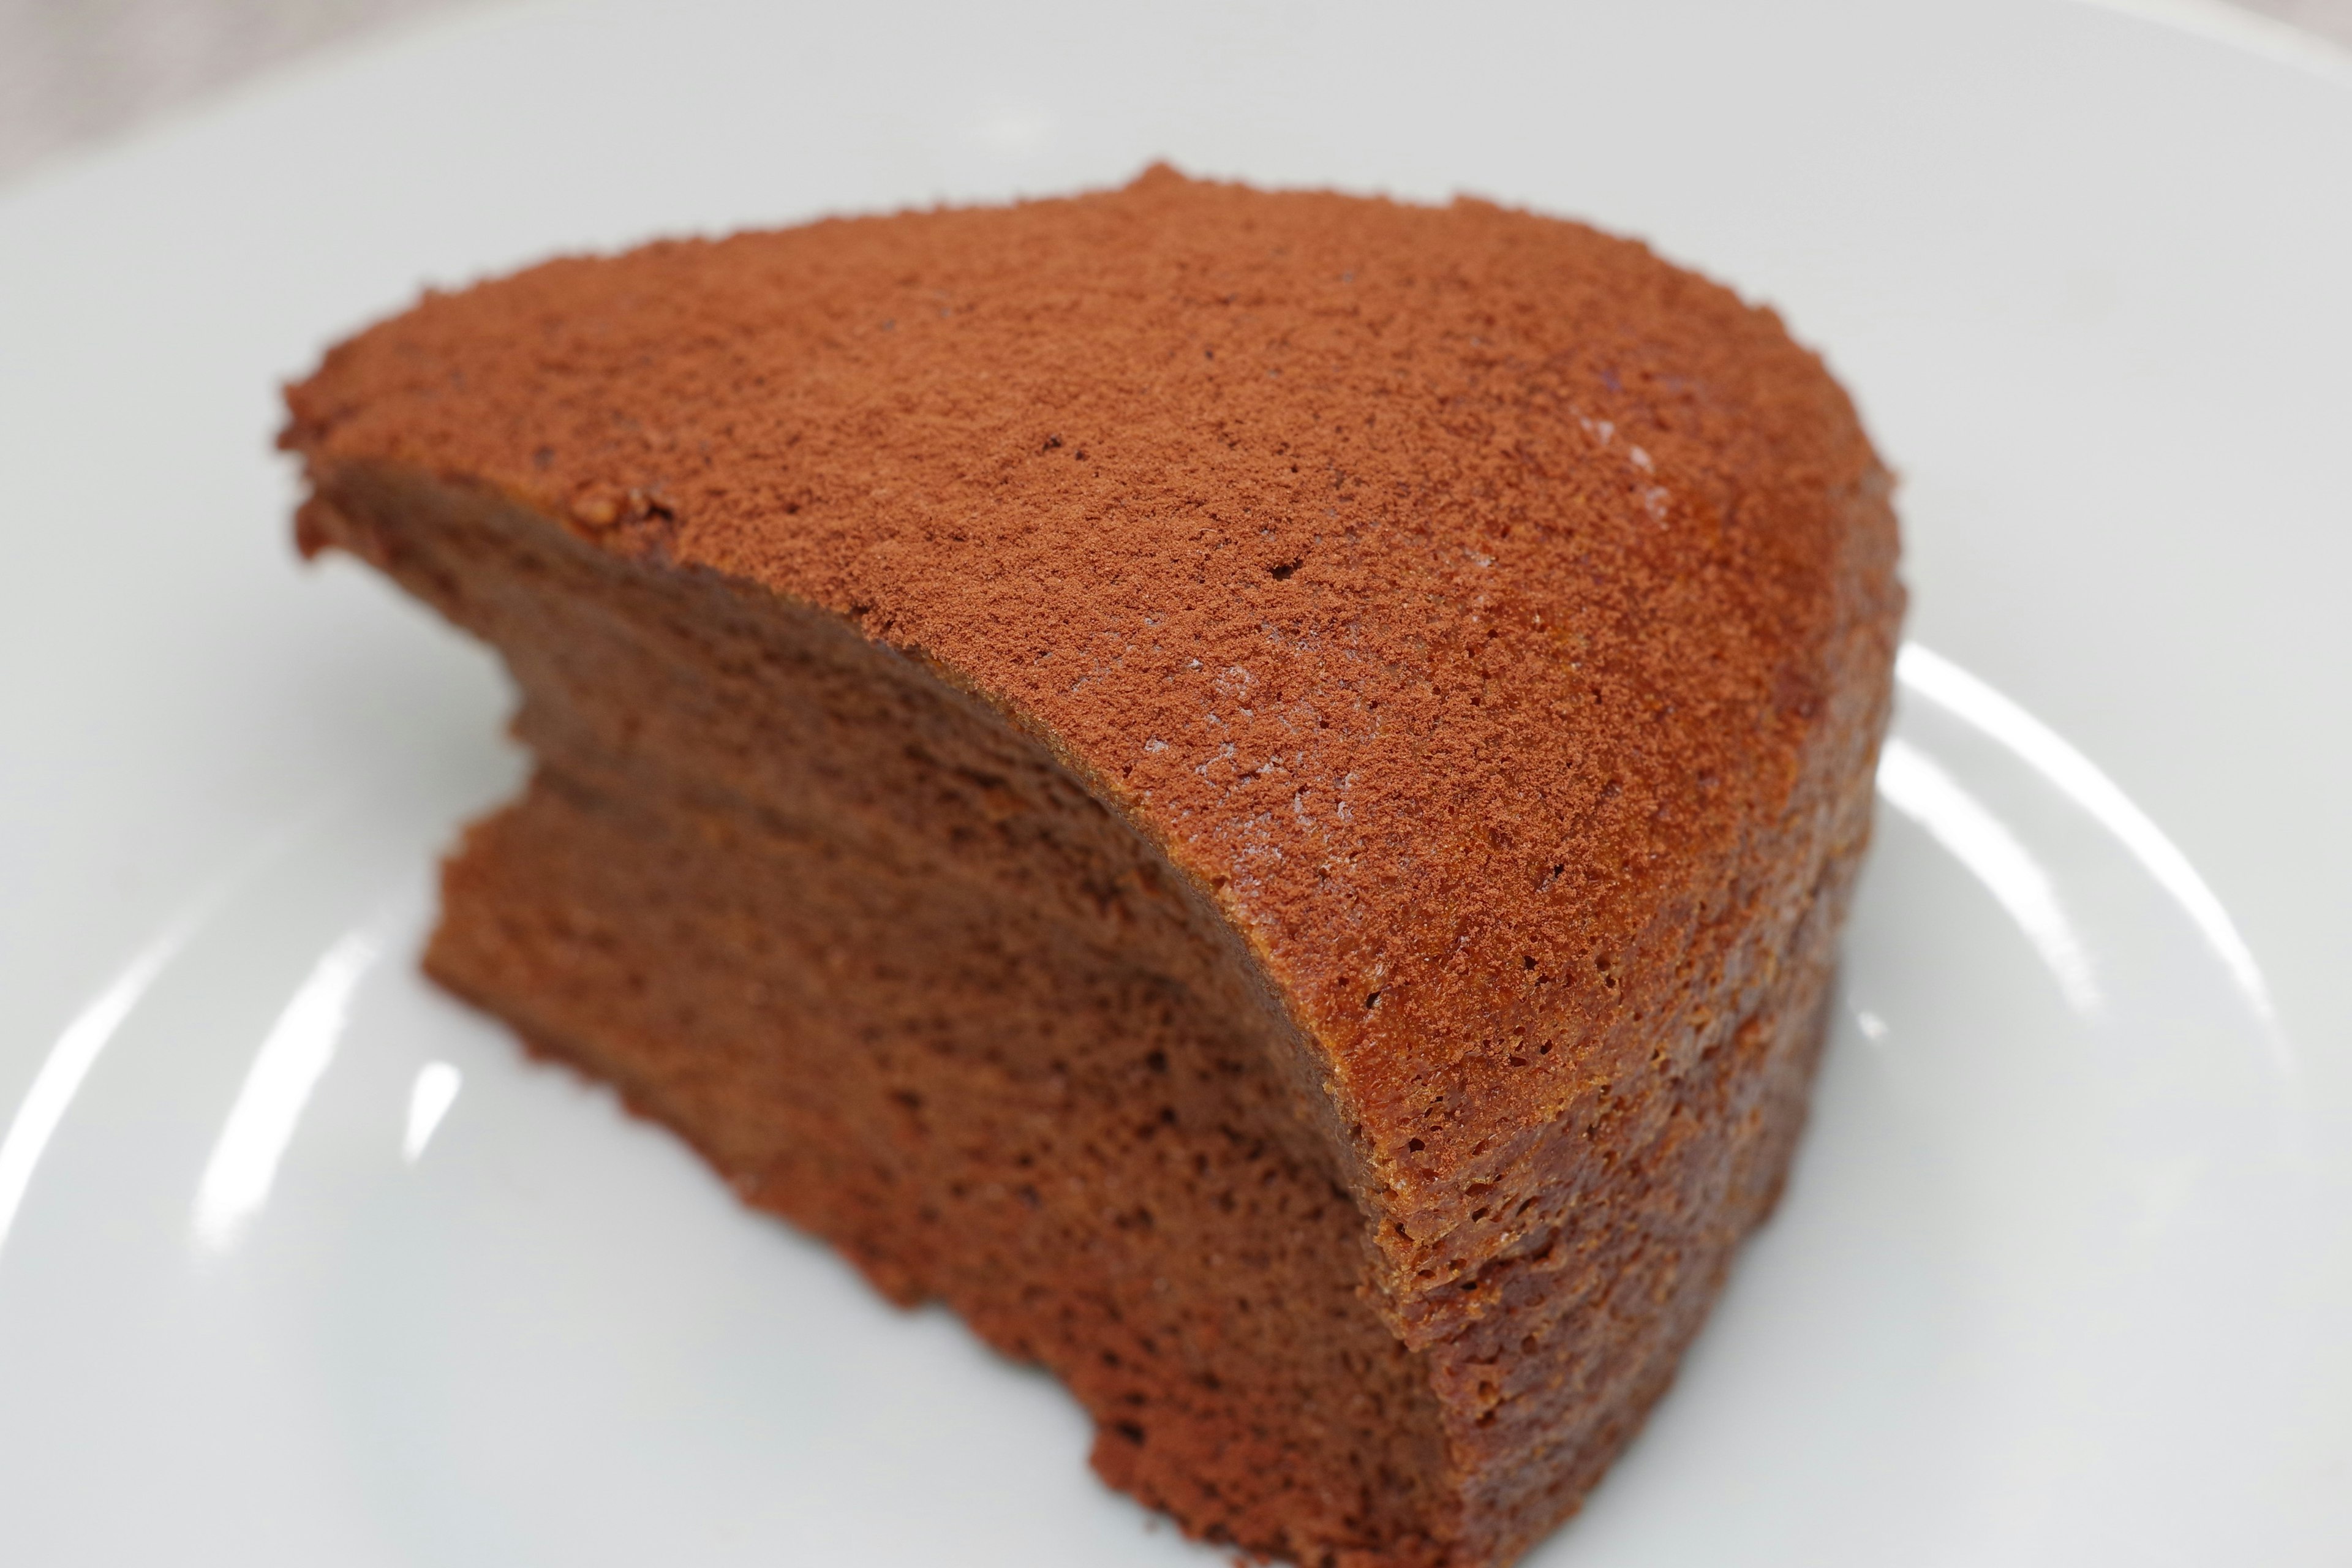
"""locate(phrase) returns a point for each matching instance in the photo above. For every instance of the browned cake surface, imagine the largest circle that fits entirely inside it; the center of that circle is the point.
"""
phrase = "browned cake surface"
(1254, 790)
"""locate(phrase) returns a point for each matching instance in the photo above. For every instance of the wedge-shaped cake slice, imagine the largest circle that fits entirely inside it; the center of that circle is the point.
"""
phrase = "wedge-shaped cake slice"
(1255, 791)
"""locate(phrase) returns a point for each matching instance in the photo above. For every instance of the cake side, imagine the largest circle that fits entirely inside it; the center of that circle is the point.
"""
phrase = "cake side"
(889, 967)
(1485, 624)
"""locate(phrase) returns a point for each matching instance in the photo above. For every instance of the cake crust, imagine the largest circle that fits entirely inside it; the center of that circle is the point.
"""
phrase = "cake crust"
(1448, 644)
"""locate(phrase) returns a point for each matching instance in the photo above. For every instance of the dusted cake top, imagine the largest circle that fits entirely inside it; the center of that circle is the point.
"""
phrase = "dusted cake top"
(1455, 591)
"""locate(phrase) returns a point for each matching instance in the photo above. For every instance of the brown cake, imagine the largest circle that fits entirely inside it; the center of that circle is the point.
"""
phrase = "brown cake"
(1255, 791)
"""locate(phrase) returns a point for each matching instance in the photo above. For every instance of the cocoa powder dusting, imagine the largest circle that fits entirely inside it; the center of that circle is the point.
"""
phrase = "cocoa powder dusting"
(1448, 589)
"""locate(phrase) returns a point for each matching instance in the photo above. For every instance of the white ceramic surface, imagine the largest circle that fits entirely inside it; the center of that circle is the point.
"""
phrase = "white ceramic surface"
(300, 1264)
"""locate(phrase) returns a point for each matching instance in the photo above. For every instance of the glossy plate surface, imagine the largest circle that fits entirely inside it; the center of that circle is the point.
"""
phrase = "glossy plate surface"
(301, 1263)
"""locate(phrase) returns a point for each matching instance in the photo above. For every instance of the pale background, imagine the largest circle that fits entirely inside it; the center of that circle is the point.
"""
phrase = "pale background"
(75, 72)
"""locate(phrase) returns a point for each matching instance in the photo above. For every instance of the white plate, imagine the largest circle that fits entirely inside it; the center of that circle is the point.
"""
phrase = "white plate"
(2064, 1275)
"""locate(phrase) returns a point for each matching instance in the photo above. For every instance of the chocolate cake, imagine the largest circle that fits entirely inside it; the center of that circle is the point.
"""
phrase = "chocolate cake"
(1255, 791)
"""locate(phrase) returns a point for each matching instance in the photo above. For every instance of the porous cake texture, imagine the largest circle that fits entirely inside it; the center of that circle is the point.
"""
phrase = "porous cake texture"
(1254, 790)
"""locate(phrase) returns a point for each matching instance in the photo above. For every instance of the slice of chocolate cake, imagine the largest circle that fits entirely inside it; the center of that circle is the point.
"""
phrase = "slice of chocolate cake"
(1255, 791)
